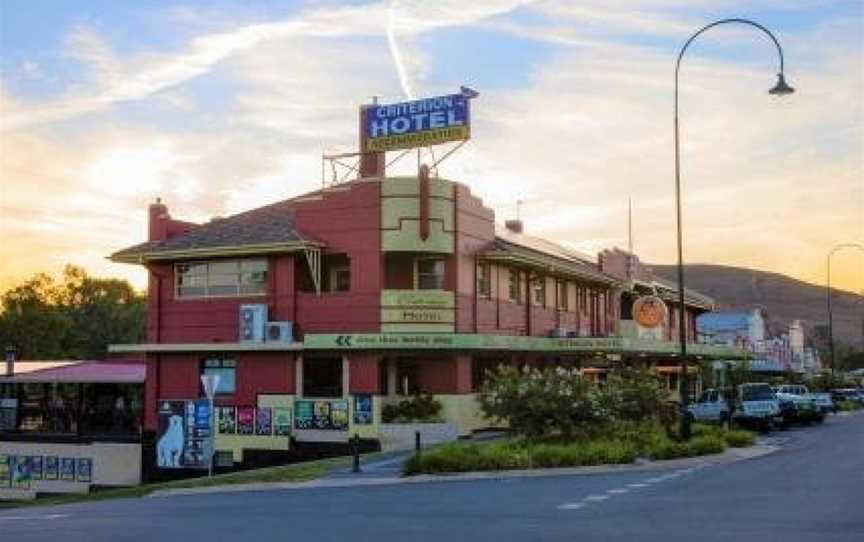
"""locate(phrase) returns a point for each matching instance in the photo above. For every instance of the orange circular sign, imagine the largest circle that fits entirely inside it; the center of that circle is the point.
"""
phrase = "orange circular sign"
(649, 311)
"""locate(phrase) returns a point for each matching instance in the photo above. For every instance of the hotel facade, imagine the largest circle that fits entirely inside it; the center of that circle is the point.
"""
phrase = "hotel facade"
(317, 311)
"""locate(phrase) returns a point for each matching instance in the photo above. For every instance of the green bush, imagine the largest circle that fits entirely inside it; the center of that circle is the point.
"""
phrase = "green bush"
(708, 444)
(740, 439)
(668, 449)
(702, 430)
(417, 408)
(847, 406)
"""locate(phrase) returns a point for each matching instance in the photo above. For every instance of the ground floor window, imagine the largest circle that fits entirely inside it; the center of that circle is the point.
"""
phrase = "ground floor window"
(322, 377)
(226, 370)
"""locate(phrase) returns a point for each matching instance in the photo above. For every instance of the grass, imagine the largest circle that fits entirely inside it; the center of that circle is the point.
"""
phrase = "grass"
(295, 472)
(619, 444)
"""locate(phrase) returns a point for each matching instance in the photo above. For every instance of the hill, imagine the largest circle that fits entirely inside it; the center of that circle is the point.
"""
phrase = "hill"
(785, 298)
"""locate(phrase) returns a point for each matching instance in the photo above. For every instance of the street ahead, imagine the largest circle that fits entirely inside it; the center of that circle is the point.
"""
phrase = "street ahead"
(811, 490)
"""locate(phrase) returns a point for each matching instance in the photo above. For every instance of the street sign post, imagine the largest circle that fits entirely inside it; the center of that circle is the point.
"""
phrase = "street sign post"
(210, 383)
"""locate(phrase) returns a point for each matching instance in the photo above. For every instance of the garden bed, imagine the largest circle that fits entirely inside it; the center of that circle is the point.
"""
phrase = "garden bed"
(621, 444)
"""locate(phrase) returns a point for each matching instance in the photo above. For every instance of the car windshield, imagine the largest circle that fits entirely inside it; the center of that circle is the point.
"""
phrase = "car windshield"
(757, 393)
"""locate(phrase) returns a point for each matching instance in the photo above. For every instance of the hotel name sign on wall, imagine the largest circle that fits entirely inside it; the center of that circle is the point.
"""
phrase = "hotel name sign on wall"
(418, 123)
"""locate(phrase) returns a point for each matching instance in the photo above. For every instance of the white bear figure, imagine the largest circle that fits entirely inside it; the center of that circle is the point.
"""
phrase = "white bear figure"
(170, 446)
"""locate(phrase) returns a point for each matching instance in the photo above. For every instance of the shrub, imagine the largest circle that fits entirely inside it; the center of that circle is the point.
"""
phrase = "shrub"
(846, 405)
(668, 449)
(740, 439)
(708, 444)
(701, 430)
(633, 394)
(417, 408)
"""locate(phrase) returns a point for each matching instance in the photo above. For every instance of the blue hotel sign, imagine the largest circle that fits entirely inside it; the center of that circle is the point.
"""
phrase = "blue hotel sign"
(418, 123)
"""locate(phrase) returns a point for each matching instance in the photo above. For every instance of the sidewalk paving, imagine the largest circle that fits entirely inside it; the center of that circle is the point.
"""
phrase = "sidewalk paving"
(388, 472)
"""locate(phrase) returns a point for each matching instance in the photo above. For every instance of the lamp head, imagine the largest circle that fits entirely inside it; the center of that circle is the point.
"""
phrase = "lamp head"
(781, 88)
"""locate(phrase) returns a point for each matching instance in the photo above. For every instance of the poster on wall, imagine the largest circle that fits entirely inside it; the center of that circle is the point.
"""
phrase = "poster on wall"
(227, 420)
(8, 414)
(363, 409)
(339, 415)
(321, 411)
(264, 421)
(172, 435)
(52, 467)
(67, 469)
(20, 466)
(281, 421)
(246, 420)
(304, 415)
(5, 472)
(36, 467)
(84, 469)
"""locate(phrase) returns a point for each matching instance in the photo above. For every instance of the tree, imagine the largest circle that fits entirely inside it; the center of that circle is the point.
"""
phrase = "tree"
(75, 319)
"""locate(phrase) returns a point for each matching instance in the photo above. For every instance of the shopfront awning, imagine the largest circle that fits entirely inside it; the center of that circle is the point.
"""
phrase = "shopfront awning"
(77, 372)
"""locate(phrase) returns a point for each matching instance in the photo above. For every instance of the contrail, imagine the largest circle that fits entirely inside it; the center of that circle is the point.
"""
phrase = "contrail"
(394, 50)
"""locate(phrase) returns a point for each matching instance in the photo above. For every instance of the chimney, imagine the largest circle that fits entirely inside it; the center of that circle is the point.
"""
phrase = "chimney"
(10, 360)
(157, 221)
(514, 225)
(372, 164)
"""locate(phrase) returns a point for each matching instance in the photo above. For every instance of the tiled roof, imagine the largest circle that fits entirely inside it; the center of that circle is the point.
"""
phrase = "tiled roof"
(545, 252)
(272, 224)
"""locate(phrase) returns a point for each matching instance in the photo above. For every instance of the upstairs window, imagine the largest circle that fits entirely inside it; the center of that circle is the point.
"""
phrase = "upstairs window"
(539, 288)
(484, 280)
(336, 273)
(225, 369)
(514, 290)
(221, 278)
(563, 301)
(430, 274)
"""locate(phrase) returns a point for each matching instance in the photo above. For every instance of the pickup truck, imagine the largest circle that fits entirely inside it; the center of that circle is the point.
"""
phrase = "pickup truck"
(711, 407)
(808, 406)
(757, 406)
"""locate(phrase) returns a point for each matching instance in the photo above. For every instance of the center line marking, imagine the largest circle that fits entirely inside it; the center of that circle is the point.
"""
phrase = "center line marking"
(637, 485)
(596, 498)
(653, 480)
(618, 491)
(571, 506)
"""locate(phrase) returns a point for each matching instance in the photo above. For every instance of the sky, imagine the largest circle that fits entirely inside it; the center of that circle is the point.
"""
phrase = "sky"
(218, 107)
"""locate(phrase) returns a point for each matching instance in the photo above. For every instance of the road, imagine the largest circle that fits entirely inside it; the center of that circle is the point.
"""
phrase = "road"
(811, 490)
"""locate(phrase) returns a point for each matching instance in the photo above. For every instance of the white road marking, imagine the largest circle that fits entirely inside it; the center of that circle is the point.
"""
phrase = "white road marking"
(33, 518)
(618, 491)
(637, 485)
(596, 498)
(653, 480)
(571, 506)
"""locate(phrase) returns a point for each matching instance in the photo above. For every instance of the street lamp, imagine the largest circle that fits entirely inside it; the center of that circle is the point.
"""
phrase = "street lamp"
(779, 89)
(830, 314)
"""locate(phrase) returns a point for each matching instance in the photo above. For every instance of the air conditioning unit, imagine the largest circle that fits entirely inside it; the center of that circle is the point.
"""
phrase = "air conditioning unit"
(253, 319)
(558, 333)
(280, 332)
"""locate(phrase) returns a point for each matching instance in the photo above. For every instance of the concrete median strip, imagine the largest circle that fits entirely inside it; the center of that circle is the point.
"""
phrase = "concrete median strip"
(729, 456)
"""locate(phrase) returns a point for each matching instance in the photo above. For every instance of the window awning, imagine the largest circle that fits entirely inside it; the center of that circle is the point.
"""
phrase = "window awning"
(77, 372)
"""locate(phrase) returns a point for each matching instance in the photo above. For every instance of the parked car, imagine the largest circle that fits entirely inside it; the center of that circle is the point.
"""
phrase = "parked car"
(809, 406)
(757, 406)
(847, 394)
(711, 407)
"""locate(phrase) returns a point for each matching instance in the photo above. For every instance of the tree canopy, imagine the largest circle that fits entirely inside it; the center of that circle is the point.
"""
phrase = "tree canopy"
(74, 318)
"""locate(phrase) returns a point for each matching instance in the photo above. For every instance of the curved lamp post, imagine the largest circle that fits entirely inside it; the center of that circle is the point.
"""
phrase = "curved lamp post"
(830, 314)
(779, 89)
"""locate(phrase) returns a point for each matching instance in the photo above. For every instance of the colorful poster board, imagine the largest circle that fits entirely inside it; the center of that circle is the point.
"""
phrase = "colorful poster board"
(321, 415)
(246, 420)
(84, 469)
(5, 471)
(52, 467)
(264, 421)
(184, 434)
(37, 467)
(304, 415)
(363, 409)
(227, 420)
(20, 466)
(281, 421)
(67, 469)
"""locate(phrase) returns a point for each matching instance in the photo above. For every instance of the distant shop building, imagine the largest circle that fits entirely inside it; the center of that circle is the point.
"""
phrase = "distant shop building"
(67, 425)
